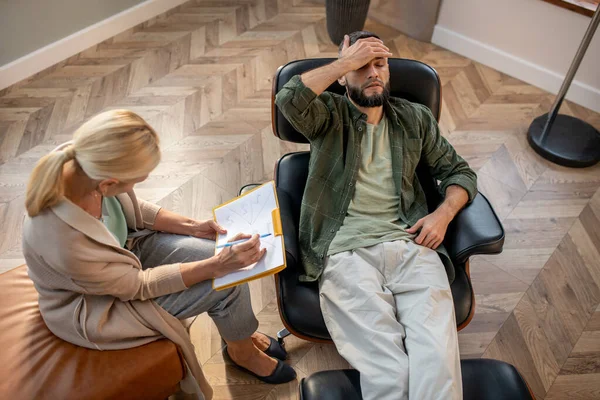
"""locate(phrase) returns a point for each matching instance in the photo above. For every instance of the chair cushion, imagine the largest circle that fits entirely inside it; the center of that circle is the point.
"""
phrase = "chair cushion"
(35, 364)
(290, 176)
(341, 384)
(299, 304)
(485, 379)
(462, 294)
(482, 379)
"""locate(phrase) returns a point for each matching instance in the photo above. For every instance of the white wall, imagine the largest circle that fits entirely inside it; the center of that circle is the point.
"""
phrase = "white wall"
(36, 34)
(529, 39)
(28, 25)
(413, 18)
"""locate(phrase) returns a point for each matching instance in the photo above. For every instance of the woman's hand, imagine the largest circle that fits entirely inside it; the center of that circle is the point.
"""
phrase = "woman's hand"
(170, 222)
(241, 255)
(230, 259)
(206, 229)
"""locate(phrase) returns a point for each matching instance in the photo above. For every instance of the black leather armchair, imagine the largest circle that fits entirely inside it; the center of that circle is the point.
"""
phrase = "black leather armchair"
(482, 379)
(475, 230)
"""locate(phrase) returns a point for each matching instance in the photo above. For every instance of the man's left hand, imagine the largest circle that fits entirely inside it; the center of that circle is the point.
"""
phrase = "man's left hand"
(206, 229)
(433, 229)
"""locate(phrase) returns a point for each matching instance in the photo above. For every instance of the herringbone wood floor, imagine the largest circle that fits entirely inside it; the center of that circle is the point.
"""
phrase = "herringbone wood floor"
(201, 74)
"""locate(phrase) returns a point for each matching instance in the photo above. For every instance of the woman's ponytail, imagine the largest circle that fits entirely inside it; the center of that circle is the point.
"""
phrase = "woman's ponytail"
(45, 187)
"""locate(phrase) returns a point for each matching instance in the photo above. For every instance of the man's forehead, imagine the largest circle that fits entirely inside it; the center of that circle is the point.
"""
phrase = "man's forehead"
(378, 59)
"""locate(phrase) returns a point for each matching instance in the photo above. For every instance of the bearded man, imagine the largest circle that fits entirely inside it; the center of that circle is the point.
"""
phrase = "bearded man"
(365, 232)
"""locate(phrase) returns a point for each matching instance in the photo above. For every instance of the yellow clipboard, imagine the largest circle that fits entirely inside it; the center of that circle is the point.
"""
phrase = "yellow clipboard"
(271, 263)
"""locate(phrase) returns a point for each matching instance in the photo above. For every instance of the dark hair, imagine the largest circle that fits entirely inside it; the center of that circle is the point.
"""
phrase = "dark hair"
(354, 36)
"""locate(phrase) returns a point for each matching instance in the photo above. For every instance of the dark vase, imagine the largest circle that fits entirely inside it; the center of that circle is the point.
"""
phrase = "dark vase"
(345, 16)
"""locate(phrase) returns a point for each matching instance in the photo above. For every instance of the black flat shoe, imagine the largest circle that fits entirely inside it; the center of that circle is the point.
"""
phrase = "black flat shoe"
(283, 373)
(275, 350)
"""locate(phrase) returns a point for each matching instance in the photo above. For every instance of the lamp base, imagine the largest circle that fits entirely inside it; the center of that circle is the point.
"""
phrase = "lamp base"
(571, 142)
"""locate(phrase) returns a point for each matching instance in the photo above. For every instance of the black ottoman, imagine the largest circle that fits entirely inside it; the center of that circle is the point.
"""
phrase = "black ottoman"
(483, 379)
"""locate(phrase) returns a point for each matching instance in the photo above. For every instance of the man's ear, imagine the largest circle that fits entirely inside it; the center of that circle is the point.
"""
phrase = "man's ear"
(342, 81)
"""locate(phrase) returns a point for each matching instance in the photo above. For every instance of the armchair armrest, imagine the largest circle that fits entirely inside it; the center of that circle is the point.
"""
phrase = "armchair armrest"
(476, 229)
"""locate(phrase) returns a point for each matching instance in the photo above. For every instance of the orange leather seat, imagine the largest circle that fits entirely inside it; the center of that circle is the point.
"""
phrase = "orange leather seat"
(35, 364)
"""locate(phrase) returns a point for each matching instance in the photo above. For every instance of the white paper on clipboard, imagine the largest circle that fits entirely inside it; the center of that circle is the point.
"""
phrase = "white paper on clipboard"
(253, 213)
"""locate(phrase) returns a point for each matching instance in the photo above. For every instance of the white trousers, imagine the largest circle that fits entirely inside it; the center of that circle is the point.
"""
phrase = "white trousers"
(390, 313)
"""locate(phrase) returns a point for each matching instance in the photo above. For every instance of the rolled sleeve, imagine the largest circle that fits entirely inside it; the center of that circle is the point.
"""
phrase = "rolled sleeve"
(462, 181)
(300, 105)
(303, 95)
(149, 212)
(164, 279)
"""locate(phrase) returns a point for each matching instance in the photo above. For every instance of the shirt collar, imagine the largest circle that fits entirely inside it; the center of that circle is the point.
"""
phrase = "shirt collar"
(83, 222)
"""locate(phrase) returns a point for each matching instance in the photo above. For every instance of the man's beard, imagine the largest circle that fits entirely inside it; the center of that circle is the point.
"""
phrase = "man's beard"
(375, 100)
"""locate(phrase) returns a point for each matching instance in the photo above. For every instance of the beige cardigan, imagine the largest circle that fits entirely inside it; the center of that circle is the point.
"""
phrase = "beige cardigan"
(94, 293)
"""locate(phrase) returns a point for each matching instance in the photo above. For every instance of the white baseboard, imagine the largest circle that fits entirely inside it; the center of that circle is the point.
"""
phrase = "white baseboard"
(519, 68)
(60, 50)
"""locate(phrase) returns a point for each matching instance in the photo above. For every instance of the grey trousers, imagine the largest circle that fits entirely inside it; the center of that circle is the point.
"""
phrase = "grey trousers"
(230, 309)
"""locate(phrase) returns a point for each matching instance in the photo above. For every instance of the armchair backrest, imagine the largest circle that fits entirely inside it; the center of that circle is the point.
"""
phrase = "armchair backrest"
(409, 79)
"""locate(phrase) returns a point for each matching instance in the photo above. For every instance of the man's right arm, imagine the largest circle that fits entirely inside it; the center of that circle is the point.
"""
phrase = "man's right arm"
(305, 111)
(299, 99)
(319, 79)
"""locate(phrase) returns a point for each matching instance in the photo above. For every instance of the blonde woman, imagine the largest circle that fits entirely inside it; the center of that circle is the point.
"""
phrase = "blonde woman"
(114, 271)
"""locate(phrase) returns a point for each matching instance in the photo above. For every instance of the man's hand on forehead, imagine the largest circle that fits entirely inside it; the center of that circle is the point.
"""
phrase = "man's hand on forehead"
(369, 39)
(351, 58)
(363, 51)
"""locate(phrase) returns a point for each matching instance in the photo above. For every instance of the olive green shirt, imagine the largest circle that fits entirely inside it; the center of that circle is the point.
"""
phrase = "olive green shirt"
(335, 129)
(372, 216)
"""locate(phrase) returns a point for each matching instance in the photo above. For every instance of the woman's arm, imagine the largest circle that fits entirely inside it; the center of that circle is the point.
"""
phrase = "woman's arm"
(99, 271)
(170, 222)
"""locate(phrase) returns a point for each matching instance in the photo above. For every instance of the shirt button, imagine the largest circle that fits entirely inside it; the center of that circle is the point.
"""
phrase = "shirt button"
(333, 230)
(321, 255)
(350, 184)
(360, 128)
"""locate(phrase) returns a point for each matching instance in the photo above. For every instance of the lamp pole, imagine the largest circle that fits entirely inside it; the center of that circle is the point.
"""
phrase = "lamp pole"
(563, 139)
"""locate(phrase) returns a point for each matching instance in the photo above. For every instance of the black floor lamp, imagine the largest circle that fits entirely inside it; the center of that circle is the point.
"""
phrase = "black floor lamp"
(562, 139)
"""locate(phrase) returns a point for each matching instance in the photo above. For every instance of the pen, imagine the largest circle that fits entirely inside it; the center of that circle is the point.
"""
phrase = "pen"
(240, 241)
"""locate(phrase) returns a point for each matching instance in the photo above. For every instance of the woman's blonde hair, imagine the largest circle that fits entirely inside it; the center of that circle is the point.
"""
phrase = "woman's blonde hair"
(115, 144)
